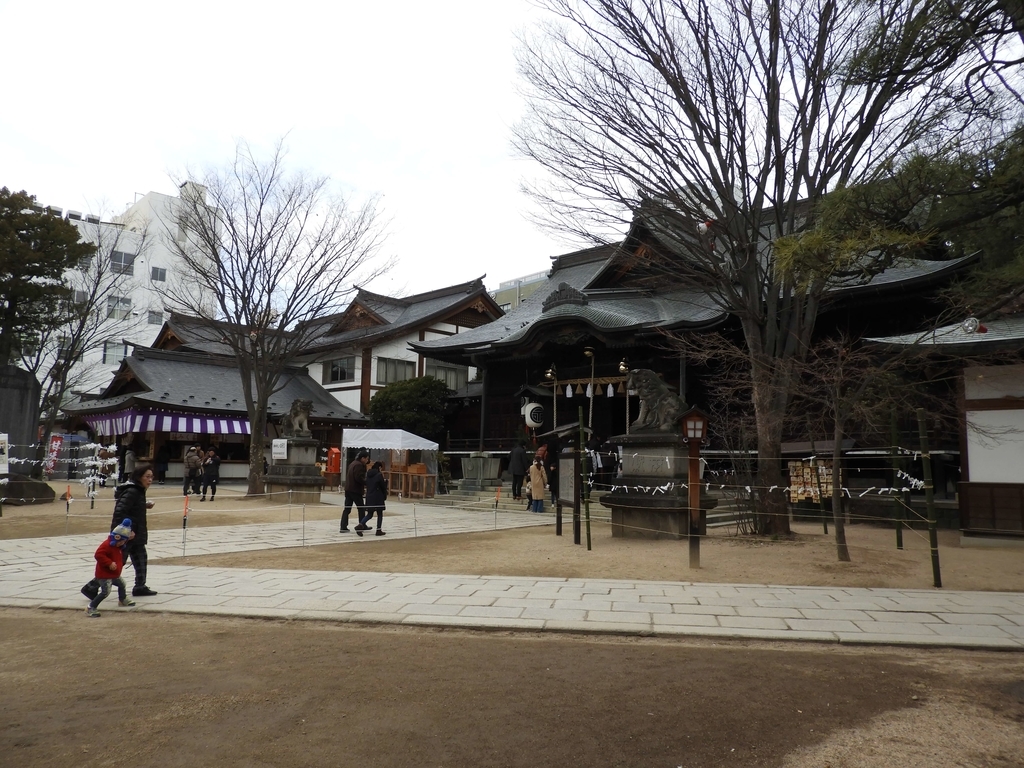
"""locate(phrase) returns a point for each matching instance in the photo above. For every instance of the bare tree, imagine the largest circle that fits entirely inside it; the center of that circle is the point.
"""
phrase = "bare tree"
(96, 310)
(721, 126)
(265, 252)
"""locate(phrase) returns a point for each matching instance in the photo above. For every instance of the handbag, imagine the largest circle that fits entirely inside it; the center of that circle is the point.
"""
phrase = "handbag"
(91, 589)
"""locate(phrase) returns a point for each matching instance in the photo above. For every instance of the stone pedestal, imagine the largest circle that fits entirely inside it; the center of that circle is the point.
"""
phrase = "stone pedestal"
(649, 500)
(479, 471)
(298, 473)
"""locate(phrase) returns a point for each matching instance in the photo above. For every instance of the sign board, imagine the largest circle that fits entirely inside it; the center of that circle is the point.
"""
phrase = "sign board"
(279, 449)
(56, 443)
(568, 476)
(4, 466)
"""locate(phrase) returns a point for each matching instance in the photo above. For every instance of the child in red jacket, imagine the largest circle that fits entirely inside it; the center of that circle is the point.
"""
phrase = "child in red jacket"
(109, 562)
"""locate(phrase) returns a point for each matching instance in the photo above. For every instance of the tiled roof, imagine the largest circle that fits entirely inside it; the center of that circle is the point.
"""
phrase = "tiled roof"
(1004, 333)
(195, 383)
(402, 314)
(605, 310)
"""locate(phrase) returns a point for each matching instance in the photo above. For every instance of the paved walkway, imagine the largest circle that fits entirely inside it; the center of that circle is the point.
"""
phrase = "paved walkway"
(47, 572)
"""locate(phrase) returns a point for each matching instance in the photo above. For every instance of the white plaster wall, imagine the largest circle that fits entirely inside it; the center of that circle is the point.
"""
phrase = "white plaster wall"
(995, 439)
(995, 446)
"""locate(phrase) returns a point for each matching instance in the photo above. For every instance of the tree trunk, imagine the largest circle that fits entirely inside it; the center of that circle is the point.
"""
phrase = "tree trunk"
(257, 442)
(842, 551)
(772, 513)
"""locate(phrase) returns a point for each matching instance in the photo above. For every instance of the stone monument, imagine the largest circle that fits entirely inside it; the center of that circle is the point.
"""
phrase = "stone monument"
(480, 472)
(296, 472)
(649, 498)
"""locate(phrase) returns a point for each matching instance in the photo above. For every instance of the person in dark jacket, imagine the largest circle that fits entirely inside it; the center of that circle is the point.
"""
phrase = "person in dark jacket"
(131, 504)
(211, 474)
(193, 468)
(355, 487)
(376, 493)
(518, 466)
(551, 464)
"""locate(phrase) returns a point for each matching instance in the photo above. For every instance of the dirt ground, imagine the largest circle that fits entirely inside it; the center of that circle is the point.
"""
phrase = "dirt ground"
(146, 689)
(142, 689)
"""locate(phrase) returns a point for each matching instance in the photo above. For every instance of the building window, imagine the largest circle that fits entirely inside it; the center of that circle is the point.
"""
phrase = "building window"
(505, 307)
(158, 275)
(122, 263)
(81, 297)
(342, 369)
(85, 263)
(389, 370)
(118, 307)
(156, 318)
(63, 347)
(114, 351)
(454, 376)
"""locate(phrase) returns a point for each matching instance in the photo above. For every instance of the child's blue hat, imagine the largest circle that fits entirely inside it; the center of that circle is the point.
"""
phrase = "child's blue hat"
(122, 533)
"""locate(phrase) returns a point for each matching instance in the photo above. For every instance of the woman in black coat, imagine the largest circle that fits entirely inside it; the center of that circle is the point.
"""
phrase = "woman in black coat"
(376, 492)
(131, 503)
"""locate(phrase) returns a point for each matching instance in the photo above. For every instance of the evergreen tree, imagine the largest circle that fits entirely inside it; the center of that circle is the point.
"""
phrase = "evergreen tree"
(36, 249)
(415, 405)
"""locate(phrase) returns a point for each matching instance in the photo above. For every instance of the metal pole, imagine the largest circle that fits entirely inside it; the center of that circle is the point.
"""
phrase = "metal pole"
(929, 496)
(593, 394)
(694, 503)
(898, 509)
(415, 532)
(303, 524)
(289, 505)
(184, 526)
(584, 466)
(554, 405)
(817, 478)
(67, 509)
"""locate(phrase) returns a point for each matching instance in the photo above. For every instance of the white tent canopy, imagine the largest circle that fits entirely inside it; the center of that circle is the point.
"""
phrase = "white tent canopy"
(386, 439)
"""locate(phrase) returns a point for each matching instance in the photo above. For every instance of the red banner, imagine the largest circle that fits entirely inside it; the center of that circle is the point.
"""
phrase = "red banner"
(56, 443)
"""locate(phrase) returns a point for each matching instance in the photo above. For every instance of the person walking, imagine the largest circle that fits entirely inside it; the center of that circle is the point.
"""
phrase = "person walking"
(518, 466)
(355, 487)
(538, 480)
(376, 493)
(109, 563)
(211, 474)
(163, 460)
(551, 462)
(130, 461)
(130, 503)
(193, 468)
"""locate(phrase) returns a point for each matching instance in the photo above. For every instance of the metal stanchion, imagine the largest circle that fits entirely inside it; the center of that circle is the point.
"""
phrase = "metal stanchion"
(414, 529)
(303, 524)
(184, 526)
(67, 509)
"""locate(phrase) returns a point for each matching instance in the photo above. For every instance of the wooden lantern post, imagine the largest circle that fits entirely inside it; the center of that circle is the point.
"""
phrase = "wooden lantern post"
(695, 430)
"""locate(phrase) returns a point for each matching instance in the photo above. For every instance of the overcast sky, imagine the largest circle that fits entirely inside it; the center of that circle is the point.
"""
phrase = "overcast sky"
(408, 100)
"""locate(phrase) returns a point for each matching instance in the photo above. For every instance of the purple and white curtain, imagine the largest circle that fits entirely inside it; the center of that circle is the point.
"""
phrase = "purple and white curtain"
(132, 420)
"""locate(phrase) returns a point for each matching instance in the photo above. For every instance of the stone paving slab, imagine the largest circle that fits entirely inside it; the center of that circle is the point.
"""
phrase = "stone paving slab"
(47, 573)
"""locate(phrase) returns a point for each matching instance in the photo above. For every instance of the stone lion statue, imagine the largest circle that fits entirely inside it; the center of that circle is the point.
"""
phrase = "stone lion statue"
(295, 423)
(660, 409)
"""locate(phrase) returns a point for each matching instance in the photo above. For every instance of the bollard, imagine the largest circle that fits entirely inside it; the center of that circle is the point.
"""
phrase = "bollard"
(184, 526)
(929, 496)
